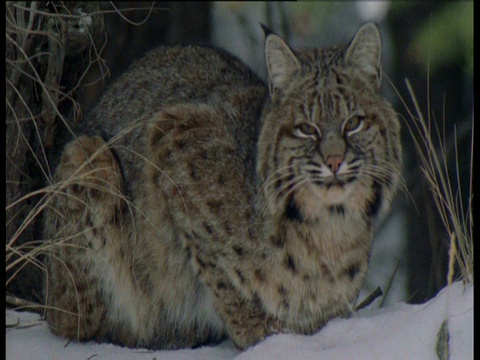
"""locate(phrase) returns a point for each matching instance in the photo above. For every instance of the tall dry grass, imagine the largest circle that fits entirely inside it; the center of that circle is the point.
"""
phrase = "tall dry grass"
(39, 38)
(457, 218)
(47, 44)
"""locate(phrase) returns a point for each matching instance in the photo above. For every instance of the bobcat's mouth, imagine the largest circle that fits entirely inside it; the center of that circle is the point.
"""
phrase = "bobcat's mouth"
(335, 183)
(333, 189)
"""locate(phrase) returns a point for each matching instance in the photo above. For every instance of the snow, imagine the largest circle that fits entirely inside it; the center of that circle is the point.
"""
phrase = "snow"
(399, 331)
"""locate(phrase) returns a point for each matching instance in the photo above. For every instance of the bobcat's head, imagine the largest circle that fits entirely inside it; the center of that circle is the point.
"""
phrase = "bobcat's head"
(328, 138)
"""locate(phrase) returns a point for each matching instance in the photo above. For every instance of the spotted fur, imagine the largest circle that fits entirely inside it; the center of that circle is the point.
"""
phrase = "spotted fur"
(165, 236)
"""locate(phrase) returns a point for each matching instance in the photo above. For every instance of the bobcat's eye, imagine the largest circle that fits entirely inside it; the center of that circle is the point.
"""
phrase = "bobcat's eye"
(306, 130)
(353, 125)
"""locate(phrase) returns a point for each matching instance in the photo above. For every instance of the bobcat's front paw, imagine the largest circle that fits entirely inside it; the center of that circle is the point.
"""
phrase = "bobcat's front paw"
(252, 331)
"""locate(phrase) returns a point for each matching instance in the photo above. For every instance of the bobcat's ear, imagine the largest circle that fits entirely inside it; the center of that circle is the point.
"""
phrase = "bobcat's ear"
(365, 51)
(282, 64)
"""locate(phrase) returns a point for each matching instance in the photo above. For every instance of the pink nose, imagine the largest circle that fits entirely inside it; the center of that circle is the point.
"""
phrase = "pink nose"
(334, 162)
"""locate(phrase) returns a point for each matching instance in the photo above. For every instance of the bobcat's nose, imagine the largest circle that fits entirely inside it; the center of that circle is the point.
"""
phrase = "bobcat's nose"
(334, 162)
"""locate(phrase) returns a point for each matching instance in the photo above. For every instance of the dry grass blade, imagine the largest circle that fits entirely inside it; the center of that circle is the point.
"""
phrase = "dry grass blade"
(447, 199)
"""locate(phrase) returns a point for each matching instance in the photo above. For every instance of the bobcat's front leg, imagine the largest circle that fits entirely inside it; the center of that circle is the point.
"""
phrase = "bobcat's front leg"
(245, 318)
(247, 322)
(199, 166)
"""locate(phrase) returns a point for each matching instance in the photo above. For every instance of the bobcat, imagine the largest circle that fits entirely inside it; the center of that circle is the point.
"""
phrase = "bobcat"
(199, 203)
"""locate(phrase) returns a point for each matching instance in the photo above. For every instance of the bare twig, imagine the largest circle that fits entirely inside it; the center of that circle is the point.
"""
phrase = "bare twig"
(21, 304)
(369, 299)
(389, 285)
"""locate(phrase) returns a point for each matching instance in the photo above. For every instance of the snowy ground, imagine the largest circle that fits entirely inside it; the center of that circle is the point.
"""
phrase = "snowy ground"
(398, 331)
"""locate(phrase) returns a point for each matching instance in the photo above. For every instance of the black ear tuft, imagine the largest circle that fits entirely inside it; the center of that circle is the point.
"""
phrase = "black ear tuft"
(266, 30)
